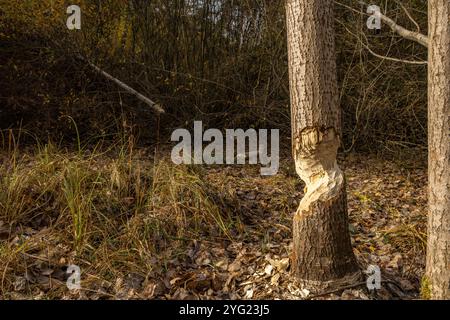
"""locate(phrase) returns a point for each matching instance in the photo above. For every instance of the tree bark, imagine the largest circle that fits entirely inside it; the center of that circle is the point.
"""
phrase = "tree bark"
(438, 244)
(322, 254)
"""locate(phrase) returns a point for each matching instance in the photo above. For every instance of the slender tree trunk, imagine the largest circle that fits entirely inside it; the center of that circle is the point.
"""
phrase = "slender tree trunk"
(438, 250)
(322, 253)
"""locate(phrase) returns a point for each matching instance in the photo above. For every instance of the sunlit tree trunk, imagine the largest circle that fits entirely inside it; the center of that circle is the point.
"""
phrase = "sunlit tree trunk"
(438, 249)
(322, 253)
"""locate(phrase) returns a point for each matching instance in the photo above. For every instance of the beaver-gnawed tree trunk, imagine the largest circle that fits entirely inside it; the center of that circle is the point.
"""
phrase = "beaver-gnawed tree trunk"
(322, 253)
(438, 248)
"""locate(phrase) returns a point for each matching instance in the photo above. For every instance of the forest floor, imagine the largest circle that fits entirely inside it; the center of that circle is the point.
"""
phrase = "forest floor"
(246, 258)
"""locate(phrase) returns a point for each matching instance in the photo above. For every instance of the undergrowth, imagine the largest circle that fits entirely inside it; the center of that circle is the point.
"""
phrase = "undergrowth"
(111, 211)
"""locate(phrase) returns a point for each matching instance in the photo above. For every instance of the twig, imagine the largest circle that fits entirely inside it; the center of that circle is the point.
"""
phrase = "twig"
(415, 62)
(407, 34)
(409, 15)
(393, 59)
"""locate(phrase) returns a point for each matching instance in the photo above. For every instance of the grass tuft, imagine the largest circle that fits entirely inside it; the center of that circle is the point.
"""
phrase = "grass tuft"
(111, 213)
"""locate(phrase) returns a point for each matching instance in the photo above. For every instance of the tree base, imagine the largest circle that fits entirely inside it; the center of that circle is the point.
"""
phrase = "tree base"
(316, 287)
(322, 254)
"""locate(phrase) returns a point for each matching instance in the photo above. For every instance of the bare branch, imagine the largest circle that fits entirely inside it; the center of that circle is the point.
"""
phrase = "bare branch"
(393, 59)
(156, 107)
(407, 34)
(365, 45)
(409, 15)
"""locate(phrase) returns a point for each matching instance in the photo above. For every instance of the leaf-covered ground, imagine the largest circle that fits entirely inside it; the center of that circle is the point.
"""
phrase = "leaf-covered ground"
(387, 209)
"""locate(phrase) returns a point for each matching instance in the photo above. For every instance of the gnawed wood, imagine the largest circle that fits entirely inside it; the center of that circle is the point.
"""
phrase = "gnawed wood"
(322, 255)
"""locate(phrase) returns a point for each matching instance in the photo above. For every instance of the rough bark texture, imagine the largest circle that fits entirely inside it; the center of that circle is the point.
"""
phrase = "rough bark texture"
(438, 250)
(322, 254)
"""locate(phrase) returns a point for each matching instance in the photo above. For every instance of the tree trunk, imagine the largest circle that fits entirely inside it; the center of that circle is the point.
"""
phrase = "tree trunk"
(438, 248)
(322, 254)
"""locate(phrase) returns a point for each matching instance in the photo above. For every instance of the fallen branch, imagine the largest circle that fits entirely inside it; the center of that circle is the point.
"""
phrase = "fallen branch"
(156, 107)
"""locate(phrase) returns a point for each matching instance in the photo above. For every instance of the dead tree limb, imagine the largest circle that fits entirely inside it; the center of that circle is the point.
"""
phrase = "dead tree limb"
(156, 107)
(407, 34)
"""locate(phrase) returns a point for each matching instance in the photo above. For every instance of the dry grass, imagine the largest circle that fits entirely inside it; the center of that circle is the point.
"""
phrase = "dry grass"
(112, 213)
(126, 217)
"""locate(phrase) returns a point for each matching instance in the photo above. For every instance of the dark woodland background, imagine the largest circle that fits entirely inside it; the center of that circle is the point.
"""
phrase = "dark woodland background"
(220, 61)
(84, 174)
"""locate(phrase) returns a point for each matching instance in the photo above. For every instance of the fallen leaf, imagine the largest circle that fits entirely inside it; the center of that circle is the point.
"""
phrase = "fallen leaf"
(268, 269)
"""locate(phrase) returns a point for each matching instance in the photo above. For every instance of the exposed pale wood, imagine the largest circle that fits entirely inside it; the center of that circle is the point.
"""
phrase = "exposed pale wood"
(322, 252)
